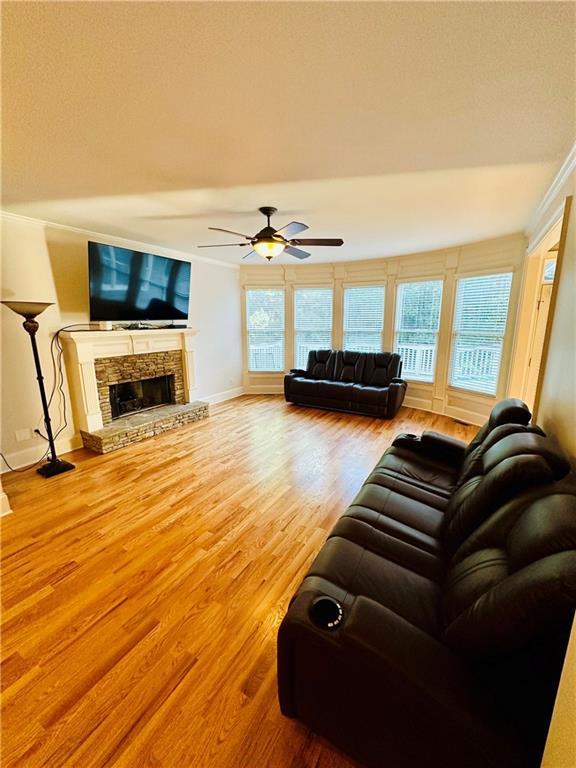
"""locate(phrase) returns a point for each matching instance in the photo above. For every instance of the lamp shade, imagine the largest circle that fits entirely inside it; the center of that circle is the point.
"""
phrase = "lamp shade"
(269, 247)
(28, 309)
(26, 266)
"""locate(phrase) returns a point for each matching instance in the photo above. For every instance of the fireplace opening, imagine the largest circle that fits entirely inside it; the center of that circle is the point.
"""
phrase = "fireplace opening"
(131, 396)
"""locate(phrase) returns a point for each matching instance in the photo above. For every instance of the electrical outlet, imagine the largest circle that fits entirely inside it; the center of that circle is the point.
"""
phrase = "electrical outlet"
(22, 435)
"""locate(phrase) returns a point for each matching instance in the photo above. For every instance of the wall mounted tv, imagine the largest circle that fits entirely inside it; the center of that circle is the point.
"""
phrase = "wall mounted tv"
(128, 285)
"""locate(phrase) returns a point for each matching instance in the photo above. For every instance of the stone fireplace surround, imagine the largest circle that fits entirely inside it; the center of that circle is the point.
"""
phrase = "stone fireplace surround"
(116, 370)
(97, 359)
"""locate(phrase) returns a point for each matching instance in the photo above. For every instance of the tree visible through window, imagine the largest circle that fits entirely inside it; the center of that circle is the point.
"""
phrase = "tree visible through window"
(312, 322)
(479, 324)
(363, 318)
(265, 327)
(417, 320)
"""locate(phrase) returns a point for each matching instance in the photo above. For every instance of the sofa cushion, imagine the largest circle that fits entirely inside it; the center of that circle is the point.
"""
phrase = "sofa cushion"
(304, 386)
(376, 396)
(380, 368)
(491, 605)
(361, 572)
(335, 390)
(426, 472)
(321, 364)
(394, 527)
(349, 366)
(416, 514)
(387, 545)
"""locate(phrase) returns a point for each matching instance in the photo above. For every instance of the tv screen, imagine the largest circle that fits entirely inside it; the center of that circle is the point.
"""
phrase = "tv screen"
(130, 285)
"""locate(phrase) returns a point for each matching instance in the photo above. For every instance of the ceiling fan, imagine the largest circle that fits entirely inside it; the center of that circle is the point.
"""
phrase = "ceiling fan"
(270, 242)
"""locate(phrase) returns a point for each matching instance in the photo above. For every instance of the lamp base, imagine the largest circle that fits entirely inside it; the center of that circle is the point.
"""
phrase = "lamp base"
(55, 467)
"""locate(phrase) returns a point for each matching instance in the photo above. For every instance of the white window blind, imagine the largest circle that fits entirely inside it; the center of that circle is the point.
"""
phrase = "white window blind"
(363, 318)
(265, 326)
(312, 322)
(416, 332)
(479, 324)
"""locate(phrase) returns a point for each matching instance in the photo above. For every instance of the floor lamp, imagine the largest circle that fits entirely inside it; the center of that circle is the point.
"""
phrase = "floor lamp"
(29, 311)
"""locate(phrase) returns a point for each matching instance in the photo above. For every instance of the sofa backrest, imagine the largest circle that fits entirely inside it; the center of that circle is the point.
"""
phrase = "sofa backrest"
(321, 364)
(350, 366)
(380, 368)
(508, 411)
(515, 576)
(375, 369)
(473, 460)
(513, 464)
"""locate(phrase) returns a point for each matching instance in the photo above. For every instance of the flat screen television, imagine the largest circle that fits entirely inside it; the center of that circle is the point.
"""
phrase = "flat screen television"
(128, 285)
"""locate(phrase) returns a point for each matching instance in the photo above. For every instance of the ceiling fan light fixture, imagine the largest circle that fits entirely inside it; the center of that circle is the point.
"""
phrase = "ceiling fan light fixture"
(268, 247)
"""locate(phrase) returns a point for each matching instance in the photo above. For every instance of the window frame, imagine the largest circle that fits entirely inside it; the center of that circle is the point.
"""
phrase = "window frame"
(304, 287)
(503, 270)
(247, 289)
(438, 278)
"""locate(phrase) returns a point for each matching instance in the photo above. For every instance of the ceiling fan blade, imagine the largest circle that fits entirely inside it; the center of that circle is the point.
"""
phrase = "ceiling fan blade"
(319, 241)
(230, 232)
(248, 254)
(292, 229)
(296, 252)
(220, 245)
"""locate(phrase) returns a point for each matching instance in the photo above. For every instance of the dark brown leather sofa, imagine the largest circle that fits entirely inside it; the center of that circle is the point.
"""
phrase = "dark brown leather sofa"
(360, 382)
(431, 628)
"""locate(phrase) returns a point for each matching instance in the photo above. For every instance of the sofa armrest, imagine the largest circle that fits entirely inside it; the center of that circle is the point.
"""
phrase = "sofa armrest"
(297, 372)
(396, 393)
(433, 445)
(376, 682)
(448, 446)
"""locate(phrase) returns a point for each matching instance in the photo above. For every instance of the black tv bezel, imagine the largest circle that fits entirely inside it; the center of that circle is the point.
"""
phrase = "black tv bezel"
(133, 319)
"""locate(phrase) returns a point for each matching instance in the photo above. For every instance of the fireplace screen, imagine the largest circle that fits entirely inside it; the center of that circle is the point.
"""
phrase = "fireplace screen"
(131, 396)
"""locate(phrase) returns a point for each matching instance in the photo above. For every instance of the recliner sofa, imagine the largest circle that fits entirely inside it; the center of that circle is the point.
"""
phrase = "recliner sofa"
(431, 627)
(359, 382)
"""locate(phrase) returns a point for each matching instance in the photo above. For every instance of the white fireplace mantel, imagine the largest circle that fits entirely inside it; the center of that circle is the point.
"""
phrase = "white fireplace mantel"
(82, 348)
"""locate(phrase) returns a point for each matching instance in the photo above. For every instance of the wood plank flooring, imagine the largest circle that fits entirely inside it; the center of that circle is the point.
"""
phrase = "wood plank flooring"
(142, 592)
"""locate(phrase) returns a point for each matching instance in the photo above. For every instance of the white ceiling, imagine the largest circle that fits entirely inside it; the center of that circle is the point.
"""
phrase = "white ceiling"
(397, 126)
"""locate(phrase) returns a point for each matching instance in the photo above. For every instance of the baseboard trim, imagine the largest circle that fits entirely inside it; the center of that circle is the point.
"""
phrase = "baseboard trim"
(221, 397)
(5, 508)
(271, 389)
(420, 403)
(20, 459)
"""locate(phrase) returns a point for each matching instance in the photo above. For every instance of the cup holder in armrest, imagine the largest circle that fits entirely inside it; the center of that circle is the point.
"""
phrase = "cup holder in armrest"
(326, 612)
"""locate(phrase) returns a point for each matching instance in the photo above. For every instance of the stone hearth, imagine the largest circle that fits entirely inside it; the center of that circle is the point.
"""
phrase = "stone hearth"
(138, 426)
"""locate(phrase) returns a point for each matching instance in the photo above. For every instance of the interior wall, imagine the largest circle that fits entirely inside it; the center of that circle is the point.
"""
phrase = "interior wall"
(504, 254)
(43, 262)
(556, 401)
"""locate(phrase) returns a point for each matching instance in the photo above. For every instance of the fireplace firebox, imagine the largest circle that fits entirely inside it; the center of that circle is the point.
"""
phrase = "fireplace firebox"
(130, 396)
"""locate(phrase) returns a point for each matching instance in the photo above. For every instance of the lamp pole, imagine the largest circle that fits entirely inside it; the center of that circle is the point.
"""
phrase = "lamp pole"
(29, 311)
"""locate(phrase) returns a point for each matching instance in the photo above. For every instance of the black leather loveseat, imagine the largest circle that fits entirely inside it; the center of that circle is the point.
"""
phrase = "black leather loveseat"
(431, 627)
(361, 382)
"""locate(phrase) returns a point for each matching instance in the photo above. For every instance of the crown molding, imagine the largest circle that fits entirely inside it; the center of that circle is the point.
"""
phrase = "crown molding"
(90, 233)
(550, 208)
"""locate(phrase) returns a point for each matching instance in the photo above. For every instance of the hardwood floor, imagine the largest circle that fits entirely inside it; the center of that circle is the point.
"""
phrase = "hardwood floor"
(142, 592)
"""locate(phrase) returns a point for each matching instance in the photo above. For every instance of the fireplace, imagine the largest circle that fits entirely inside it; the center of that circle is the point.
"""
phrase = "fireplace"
(127, 397)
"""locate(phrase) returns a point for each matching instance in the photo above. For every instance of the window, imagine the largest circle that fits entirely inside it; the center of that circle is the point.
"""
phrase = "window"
(479, 324)
(549, 271)
(265, 325)
(417, 321)
(363, 318)
(312, 322)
